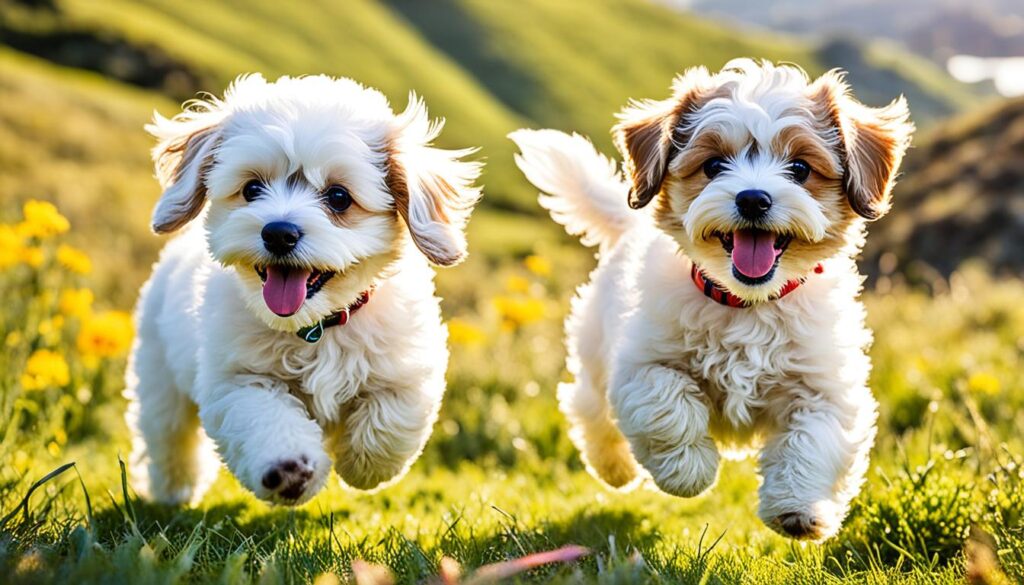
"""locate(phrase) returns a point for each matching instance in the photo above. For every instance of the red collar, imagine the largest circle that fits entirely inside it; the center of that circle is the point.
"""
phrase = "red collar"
(713, 291)
(313, 333)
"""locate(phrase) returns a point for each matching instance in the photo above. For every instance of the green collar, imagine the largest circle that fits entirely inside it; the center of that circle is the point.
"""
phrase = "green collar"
(314, 332)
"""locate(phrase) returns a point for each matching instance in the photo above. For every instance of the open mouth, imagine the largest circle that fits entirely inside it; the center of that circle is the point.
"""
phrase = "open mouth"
(285, 288)
(755, 253)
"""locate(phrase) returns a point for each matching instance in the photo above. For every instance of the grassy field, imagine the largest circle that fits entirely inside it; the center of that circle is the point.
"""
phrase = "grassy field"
(499, 479)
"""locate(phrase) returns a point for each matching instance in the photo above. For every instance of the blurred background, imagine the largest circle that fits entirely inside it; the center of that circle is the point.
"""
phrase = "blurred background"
(79, 78)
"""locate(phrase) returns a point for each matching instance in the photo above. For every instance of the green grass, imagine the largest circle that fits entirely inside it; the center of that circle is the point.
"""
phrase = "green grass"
(499, 478)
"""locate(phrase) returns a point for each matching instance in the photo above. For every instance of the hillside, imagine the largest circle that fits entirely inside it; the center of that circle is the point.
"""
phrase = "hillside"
(961, 196)
(572, 64)
(488, 67)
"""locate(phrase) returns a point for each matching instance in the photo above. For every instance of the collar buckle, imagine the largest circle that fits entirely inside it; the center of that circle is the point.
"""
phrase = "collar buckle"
(315, 332)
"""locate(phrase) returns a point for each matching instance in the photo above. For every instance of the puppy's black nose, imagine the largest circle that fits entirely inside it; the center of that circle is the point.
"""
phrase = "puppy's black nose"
(753, 203)
(280, 237)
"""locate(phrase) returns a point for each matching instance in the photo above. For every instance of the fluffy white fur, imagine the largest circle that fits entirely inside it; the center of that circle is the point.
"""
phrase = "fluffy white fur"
(212, 361)
(664, 377)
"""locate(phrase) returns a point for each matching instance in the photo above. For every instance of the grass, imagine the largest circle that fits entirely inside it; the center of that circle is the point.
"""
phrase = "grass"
(499, 480)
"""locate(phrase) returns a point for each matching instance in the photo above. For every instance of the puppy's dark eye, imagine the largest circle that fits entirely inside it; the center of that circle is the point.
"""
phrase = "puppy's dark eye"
(252, 190)
(338, 198)
(799, 170)
(714, 166)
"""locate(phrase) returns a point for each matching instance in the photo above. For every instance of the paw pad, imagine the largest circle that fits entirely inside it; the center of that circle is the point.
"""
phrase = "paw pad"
(288, 479)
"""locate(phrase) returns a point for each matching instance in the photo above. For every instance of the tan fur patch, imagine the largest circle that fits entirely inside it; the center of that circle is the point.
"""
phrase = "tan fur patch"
(171, 161)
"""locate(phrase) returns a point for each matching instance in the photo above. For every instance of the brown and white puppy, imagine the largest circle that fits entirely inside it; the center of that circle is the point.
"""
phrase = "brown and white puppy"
(723, 313)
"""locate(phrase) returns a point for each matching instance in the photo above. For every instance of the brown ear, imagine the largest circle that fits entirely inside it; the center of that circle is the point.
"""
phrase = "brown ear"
(874, 141)
(182, 157)
(647, 137)
(432, 188)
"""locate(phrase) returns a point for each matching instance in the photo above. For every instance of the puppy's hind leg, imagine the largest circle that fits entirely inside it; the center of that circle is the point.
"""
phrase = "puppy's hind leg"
(604, 449)
(172, 461)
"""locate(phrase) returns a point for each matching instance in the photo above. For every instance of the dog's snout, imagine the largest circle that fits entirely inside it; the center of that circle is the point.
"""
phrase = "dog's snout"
(753, 203)
(280, 237)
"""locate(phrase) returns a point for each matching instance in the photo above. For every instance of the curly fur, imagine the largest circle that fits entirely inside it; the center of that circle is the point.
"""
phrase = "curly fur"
(214, 371)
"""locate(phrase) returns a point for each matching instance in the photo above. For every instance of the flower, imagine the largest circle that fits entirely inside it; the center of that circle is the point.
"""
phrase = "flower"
(32, 255)
(45, 369)
(983, 383)
(538, 265)
(517, 284)
(462, 332)
(76, 302)
(74, 259)
(106, 334)
(52, 326)
(10, 246)
(13, 339)
(42, 220)
(516, 312)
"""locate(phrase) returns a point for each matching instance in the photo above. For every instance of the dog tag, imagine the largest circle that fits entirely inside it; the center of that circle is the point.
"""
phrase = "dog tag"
(313, 333)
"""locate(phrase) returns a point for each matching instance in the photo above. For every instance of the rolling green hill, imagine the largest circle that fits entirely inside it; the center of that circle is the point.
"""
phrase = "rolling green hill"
(488, 67)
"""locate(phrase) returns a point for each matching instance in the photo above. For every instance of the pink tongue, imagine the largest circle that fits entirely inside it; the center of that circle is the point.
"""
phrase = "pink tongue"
(285, 289)
(753, 252)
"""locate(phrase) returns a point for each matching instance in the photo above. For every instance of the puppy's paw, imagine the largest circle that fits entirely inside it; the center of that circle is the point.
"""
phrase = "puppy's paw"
(685, 472)
(816, 523)
(292, 480)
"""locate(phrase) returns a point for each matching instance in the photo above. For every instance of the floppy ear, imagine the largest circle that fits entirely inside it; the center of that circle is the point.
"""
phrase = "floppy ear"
(646, 135)
(182, 156)
(432, 188)
(874, 141)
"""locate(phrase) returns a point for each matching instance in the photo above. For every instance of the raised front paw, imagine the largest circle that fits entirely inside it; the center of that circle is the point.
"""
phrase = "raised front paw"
(292, 480)
(684, 471)
(813, 522)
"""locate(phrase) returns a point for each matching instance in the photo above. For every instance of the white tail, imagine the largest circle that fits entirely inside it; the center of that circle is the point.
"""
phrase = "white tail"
(581, 188)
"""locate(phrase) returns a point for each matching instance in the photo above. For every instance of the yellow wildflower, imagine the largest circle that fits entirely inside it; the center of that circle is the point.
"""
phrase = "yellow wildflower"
(517, 284)
(51, 326)
(42, 220)
(516, 312)
(538, 265)
(106, 334)
(983, 383)
(76, 302)
(462, 332)
(10, 246)
(32, 255)
(74, 259)
(13, 339)
(44, 369)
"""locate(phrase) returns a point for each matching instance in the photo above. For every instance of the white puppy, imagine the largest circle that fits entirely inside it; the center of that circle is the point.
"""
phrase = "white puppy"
(682, 343)
(294, 321)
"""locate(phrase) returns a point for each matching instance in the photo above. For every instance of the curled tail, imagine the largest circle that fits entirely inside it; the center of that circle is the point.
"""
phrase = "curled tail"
(582, 189)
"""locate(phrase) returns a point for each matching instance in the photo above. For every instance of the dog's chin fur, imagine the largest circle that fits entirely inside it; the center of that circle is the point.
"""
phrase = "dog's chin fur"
(666, 378)
(214, 367)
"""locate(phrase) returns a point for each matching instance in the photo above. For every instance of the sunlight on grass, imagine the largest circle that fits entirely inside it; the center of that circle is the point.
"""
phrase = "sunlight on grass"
(499, 480)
